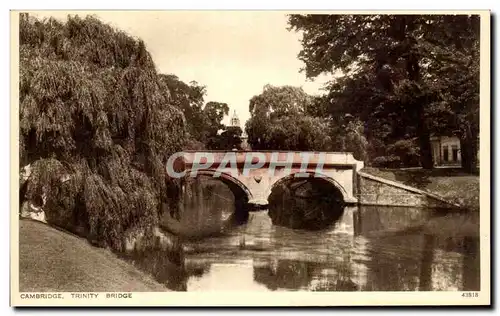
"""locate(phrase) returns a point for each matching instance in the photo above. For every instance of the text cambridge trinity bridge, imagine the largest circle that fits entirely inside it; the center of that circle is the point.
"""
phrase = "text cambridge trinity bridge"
(252, 175)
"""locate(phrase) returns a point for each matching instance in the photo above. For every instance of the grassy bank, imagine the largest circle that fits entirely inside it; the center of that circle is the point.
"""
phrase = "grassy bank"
(452, 184)
(53, 260)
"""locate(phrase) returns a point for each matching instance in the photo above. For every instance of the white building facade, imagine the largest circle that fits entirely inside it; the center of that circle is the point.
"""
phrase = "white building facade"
(446, 151)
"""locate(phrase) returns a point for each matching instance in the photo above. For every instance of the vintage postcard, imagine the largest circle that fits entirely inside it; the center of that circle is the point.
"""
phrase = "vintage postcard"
(250, 158)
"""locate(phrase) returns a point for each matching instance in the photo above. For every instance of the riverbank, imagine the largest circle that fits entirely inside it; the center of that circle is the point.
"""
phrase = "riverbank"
(54, 260)
(452, 184)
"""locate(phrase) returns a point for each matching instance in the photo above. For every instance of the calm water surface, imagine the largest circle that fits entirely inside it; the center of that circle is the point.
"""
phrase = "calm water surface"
(261, 257)
(366, 249)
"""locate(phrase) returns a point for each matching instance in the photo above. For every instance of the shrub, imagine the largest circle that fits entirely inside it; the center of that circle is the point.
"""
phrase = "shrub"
(407, 150)
(386, 162)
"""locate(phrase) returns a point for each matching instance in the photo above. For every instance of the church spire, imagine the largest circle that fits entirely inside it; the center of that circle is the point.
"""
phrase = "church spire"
(235, 121)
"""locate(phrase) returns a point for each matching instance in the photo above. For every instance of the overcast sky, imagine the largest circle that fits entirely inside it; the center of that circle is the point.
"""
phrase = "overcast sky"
(234, 54)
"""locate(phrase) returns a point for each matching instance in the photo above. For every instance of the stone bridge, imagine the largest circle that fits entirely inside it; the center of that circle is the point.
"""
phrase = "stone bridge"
(252, 175)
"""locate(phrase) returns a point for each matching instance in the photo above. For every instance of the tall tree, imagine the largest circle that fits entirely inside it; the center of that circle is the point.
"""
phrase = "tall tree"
(279, 120)
(189, 98)
(214, 113)
(96, 127)
(389, 53)
(453, 71)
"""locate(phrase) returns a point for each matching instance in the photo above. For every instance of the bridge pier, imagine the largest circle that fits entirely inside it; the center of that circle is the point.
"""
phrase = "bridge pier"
(257, 205)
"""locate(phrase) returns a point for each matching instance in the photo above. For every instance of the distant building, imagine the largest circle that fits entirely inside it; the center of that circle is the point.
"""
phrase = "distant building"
(446, 151)
(235, 122)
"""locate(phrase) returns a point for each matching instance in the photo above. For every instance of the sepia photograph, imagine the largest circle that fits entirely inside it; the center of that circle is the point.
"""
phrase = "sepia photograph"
(282, 158)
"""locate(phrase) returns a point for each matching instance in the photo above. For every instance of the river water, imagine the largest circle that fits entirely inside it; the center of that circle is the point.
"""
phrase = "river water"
(366, 249)
(261, 257)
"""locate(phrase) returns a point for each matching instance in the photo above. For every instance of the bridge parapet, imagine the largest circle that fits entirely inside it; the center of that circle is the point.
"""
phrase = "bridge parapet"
(307, 159)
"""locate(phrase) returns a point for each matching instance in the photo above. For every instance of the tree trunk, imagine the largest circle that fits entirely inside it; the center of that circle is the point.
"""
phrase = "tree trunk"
(424, 139)
(469, 148)
(426, 160)
(407, 25)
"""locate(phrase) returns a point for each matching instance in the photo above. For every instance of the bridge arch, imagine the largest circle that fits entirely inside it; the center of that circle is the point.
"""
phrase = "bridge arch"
(311, 175)
(311, 203)
(239, 189)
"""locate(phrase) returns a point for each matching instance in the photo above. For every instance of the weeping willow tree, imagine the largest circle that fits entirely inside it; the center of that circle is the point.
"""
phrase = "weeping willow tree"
(96, 128)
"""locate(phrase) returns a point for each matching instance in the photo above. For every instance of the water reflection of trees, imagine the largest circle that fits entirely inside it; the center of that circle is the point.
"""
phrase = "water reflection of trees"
(157, 263)
(205, 202)
(286, 274)
(207, 207)
(305, 204)
(413, 249)
(340, 276)
(380, 256)
(415, 262)
(371, 219)
(471, 264)
(423, 262)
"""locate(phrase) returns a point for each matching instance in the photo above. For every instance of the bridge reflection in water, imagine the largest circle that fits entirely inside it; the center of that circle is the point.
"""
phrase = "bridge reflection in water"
(359, 249)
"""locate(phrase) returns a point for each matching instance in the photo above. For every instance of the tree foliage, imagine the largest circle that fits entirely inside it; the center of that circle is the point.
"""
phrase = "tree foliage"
(213, 113)
(454, 74)
(96, 125)
(228, 139)
(351, 138)
(399, 73)
(189, 98)
(203, 121)
(279, 120)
